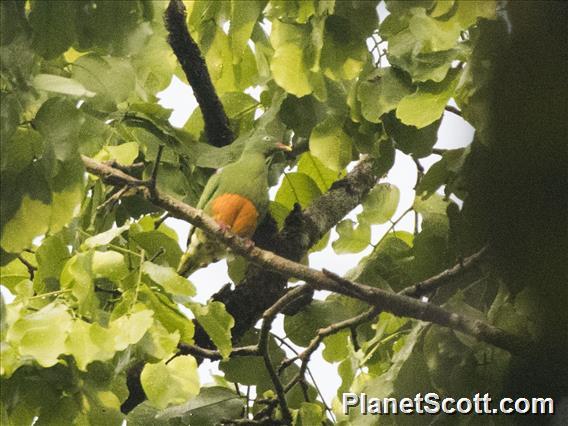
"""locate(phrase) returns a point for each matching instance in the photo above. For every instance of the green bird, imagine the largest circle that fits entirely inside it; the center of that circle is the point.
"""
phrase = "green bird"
(237, 198)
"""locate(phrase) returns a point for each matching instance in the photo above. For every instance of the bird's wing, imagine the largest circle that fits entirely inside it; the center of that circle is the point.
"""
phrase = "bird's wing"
(210, 187)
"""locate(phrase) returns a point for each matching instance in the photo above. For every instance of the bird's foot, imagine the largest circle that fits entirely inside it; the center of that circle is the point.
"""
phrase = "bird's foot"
(249, 244)
(224, 227)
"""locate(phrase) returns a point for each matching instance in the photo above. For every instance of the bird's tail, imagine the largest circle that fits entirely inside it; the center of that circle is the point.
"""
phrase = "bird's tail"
(201, 251)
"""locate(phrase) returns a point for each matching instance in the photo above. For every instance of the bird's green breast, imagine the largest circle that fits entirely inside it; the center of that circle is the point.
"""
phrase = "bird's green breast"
(247, 177)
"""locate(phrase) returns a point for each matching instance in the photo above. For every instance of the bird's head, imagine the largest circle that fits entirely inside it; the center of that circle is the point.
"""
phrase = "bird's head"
(266, 145)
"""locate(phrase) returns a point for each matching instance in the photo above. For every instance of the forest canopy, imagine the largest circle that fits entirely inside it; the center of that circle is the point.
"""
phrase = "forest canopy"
(99, 327)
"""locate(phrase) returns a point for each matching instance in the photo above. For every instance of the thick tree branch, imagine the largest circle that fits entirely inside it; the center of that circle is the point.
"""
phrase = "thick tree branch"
(189, 56)
(396, 304)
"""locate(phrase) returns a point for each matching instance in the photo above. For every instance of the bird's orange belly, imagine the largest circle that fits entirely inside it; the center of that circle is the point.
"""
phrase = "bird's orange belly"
(236, 212)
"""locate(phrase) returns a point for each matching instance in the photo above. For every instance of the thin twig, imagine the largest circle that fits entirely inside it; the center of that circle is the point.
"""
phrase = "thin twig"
(31, 268)
(312, 378)
(154, 176)
(453, 110)
(443, 278)
(130, 169)
(322, 333)
(161, 220)
(263, 348)
(215, 355)
(111, 201)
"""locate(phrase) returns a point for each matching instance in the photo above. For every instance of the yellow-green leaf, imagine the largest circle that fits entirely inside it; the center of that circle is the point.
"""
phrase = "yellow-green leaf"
(427, 104)
(170, 384)
(330, 144)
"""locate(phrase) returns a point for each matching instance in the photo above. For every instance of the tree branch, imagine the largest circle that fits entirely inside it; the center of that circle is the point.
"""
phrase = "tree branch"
(453, 110)
(214, 355)
(189, 56)
(31, 268)
(397, 304)
(433, 283)
(322, 333)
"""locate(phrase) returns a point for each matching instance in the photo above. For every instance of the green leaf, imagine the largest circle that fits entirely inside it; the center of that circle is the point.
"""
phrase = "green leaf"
(169, 279)
(237, 267)
(240, 109)
(289, 70)
(62, 85)
(279, 212)
(112, 79)
(51, 256)
(302, 114)
(144, 414)
(42, 334)
(243, 20)
(441, 8)
(297, 188)
(336, 347)
(314, 168)
(384, 385)
(77, 275)
(442, 172)
(167, 313)
(89, 342)
(381, 92)
(212, 405)
(469, 12)
(344, 51)
(172, 383)
(10, 114)
(346, 371)
(380, 204)
(409, 139)
(104, 238)
(351, 239)
(227, 75)
(303, 326)
(251, 370)
(30, 220)
(431, 206)
(159, 343)
(288, 65)
(129, 329)
(330, 144)
(436, 35)
(113, 27)
(387, 267)
(59, 122)
(153, 242)
(431, 244)
(427, 104)
(309, 414)
(217, 323)
(109, 264)
(12, 273)
(53, 25)
(124, 154)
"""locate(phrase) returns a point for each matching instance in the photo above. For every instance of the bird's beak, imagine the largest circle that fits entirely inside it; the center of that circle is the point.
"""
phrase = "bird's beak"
(282, 147)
